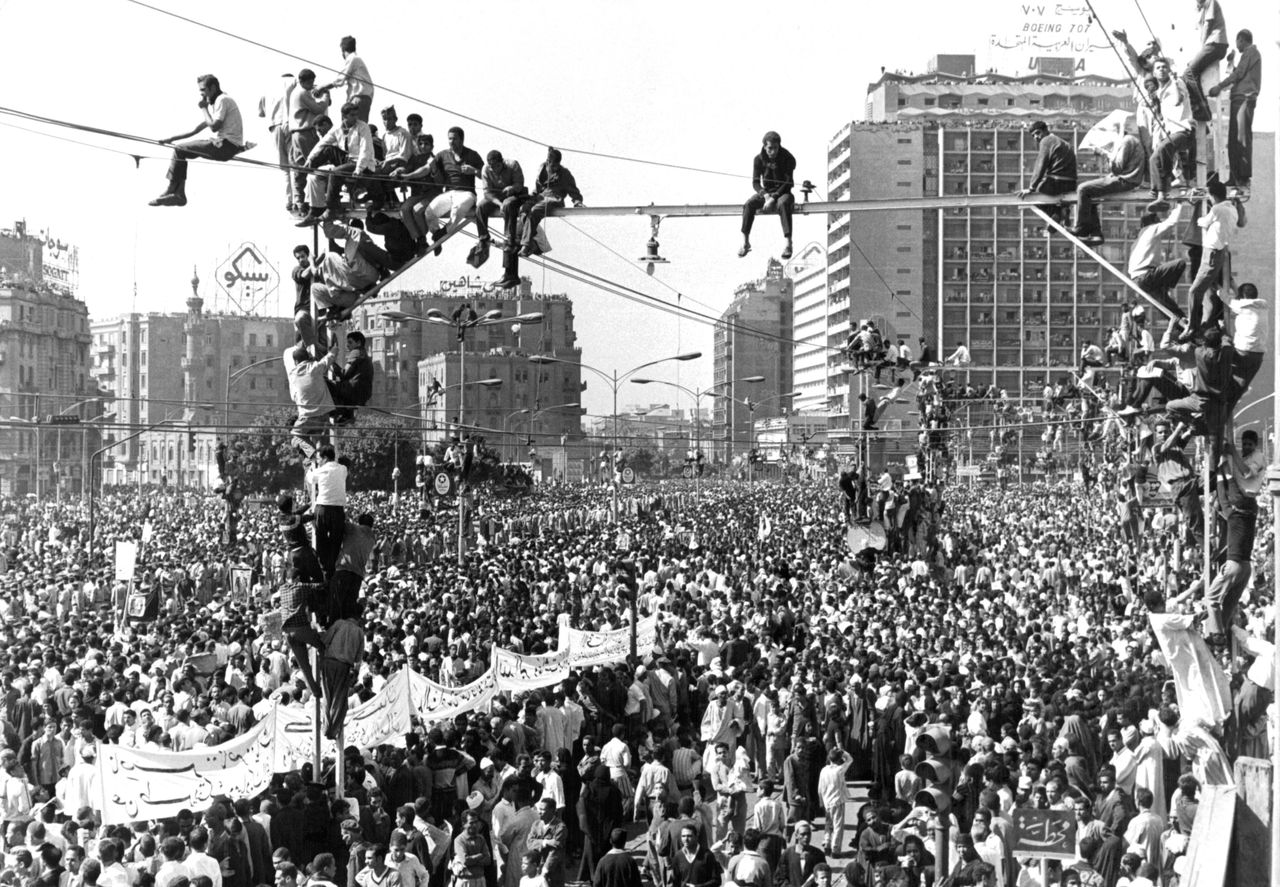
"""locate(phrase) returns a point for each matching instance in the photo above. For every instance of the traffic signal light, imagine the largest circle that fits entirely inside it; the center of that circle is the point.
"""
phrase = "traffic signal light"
(936, 767)
(58, 420)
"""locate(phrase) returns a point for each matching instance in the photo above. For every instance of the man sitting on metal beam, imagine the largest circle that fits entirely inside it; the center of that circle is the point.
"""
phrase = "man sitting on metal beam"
(772, 177)
(1125, 169)
(1055, 169)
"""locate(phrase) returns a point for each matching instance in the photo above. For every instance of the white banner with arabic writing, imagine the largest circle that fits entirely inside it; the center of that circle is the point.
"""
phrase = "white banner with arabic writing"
(385, 718)
(436, 702)
(515, 672)
(135, 784)
(603, 647)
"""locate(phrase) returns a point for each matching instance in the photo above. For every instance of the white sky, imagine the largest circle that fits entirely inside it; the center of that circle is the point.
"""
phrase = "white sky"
(689, 83)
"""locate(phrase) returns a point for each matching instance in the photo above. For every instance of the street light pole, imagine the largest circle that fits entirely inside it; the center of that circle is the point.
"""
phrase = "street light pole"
(462, 321)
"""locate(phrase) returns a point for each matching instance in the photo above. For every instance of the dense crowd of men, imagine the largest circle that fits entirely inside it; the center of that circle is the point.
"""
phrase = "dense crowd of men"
(787, 667)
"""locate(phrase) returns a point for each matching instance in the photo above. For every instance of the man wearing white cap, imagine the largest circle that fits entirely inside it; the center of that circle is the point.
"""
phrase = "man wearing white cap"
(77, 788)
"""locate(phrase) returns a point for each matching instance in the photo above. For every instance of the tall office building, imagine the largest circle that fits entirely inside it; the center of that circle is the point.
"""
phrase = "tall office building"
(752, 338)
(44, 366)
(1023, 303)
(808, 274)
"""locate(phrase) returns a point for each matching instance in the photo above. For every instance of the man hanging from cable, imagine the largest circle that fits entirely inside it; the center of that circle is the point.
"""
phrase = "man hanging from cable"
(222, 119)
(772, 177)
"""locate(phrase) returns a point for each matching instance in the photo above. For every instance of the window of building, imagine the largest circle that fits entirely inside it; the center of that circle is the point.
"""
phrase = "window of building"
(902, 103)
(983, 101)
(904, 184)
(904, 249)
(270, 340)
(253, 340)
(929, 103)
(904, 141)
(904, 227)
(906, 162)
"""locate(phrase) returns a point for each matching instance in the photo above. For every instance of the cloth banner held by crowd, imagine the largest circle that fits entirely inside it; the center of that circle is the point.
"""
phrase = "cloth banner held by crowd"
(149, 785)
(136, 784)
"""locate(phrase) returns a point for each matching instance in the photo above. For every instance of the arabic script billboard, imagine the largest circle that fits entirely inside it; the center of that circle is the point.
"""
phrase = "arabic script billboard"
(247, 278)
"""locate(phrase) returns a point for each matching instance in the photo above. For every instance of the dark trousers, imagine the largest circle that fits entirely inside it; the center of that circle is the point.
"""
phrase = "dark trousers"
(1170, 389)
(191, 150)
(300, 144)
(1158, 281)
(1166, 150)
(785, 205)
(1207, 278)
(509, 207)
(342, 175)
(1087, 196)
(363, 104)
(281, 136)
(533, 217)
(344, 589)
(1244, 367)
(330, 522)
(336, 678)
(1206, 55)
(1240, 140)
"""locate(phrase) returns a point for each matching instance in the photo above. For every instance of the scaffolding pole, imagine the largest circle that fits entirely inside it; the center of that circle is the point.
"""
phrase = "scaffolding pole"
(1097, 257)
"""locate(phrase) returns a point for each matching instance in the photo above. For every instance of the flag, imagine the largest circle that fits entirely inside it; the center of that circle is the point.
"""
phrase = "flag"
(1105, 135)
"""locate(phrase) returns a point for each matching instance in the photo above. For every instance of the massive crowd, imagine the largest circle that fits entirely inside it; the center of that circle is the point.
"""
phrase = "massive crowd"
(786, 668)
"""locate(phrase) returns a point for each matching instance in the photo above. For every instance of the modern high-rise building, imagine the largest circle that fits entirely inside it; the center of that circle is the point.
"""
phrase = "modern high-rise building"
(1023, 303)
(752, 338)
(44, 368)
(808, 273)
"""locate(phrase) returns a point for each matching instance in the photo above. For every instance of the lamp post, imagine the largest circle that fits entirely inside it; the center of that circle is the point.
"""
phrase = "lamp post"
(751, 411)
(697, 399)
(232, 376)
(533, 417)
(614, 380)
(463, 319)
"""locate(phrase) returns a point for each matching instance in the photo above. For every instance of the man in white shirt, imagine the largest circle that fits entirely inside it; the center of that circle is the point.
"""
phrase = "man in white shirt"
(355, 77)
(1217, 224)
(222, 119)
(1249, 336)
(329, 484)
(960, 357)
(1174, 127)
(307, 388)
(343, 154)
(198, 861)
(1155, 278)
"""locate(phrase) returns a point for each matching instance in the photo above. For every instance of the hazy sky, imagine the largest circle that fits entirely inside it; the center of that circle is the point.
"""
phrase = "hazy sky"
(689, 83)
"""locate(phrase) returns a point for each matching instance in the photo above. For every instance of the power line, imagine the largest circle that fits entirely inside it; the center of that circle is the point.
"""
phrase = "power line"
(488, 125)
(1141, 12)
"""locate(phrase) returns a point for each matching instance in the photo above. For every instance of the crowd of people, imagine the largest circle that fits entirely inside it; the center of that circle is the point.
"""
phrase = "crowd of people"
(787, 668)
(963, 652)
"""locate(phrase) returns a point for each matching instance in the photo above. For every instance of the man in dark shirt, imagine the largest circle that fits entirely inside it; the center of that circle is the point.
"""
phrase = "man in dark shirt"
(1055, 169)
(1244, 82)
(553, 185)
(352, 384)
(694, 865)
(456, 168)
(772, 177)
(617, 868)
